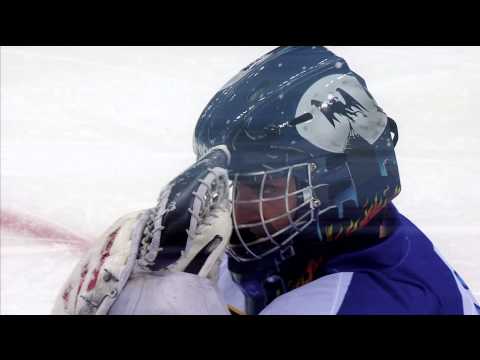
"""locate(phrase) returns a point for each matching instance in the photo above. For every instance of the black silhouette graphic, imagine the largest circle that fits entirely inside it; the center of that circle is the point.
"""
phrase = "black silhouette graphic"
(334, 106)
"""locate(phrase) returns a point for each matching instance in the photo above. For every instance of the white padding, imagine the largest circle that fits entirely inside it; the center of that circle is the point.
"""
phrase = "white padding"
(169, 294)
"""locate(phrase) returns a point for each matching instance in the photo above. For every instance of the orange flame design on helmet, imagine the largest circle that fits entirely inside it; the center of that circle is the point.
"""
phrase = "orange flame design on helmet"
(370, 211)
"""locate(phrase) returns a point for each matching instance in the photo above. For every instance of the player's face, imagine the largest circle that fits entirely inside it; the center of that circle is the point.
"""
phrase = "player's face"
(249, 213)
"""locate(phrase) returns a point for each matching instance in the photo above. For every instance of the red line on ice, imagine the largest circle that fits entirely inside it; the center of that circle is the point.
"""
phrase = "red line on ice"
(27, 225)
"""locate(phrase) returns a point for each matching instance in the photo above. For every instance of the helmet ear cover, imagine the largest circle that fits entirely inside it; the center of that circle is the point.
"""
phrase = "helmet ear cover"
(392, 125)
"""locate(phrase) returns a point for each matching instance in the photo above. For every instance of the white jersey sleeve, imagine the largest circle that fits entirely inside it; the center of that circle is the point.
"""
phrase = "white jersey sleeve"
(323, 296)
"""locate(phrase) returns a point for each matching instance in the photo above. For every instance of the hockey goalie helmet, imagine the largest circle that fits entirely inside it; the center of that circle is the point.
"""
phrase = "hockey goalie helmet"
(311, 151)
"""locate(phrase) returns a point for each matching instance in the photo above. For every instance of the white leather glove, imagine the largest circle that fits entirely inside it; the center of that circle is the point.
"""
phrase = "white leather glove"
(174, 248)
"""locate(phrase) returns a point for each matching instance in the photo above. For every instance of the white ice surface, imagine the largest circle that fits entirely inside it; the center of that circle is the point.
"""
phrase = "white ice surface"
(90, 133)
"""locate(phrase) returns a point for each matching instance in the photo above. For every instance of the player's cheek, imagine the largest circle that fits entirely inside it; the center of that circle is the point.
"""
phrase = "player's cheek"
(292, 202)
(247, 213)
(281, 209)
(273, 209)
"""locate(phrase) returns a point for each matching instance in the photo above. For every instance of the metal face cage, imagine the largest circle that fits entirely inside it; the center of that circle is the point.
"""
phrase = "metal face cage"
(294, 207)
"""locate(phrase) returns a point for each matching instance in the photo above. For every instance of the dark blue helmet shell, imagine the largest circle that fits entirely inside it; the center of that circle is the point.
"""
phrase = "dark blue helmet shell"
(303, 104)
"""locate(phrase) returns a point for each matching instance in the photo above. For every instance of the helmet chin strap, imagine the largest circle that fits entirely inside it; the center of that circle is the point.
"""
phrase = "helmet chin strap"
(265, 279)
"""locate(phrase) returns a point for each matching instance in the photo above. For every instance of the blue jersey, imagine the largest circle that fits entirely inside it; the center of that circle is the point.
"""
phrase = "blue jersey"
(404, 274)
